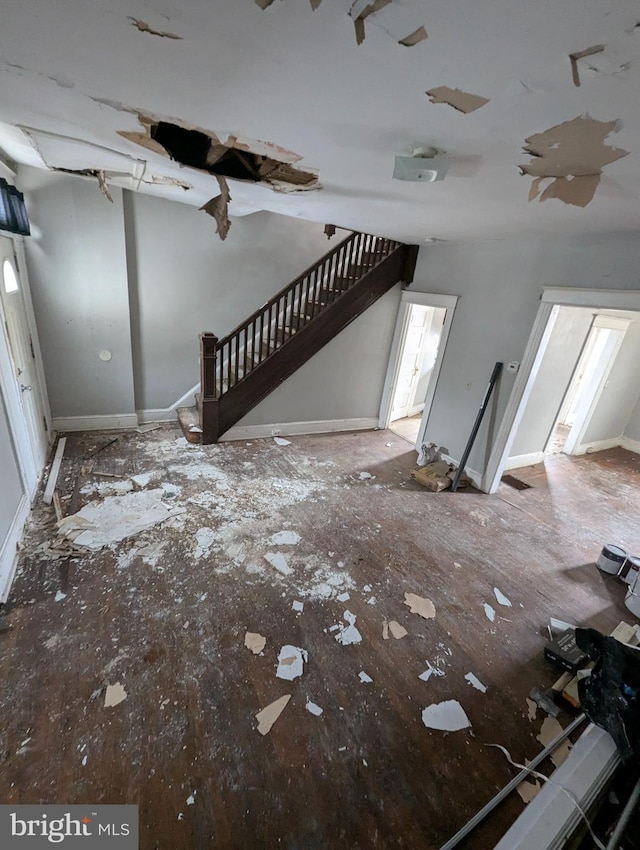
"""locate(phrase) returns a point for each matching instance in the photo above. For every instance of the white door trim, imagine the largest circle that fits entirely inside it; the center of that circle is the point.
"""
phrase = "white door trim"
(552, 297)
(407, 299)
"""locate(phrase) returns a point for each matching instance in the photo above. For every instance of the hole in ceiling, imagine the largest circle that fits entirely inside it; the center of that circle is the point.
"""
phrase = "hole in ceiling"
(197, 149)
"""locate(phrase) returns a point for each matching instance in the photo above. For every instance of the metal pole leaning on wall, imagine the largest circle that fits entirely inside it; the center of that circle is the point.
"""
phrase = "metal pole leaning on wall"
(497, 370)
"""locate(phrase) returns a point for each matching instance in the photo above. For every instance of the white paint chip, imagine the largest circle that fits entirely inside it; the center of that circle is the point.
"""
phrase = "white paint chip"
(348, 634)
(314, 709)
(278, 562)
(364, 677)
(255, 642)
(280, 441)
(364, 476)
(268, 716)
(489, 611)
(114, 695)
(477, 684)
(419, 605)
(501, 599)
(532, 709)
(59, 596)
(343, 597)
(191, 799)
(285, 538)
(297, 606)
(291, 662)
(447, 716)
(85, 760)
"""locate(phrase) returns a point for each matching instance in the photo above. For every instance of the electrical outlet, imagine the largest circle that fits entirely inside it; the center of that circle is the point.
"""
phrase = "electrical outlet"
(513, 366)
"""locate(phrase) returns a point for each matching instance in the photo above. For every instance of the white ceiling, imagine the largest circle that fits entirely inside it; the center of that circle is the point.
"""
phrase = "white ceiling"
(296, 78)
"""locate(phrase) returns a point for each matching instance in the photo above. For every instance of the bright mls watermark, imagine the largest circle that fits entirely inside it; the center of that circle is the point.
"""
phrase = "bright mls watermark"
(36, 827)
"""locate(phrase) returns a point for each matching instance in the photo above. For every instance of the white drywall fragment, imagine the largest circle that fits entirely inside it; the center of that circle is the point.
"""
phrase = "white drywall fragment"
(532, 709)
(348, 634)
(473, 680)
(85, 760)
(364, 476)
(549, 731)
(385, 630)
(298, 606)
(501, 599)
(312, 708)
(447, 716)
(280, 441)
(371, 600)
(268, 716)
(191, 799)
(367, 588)
(364, 677)
(278, 562)
(397, 630)
(114, 695)
(419, 605)
(255, 642)
(205, 538)
(285, 538)
(47, 498)
(291, 662)
(431, 671)
(489, 611)
(59, 596)
(343, 597)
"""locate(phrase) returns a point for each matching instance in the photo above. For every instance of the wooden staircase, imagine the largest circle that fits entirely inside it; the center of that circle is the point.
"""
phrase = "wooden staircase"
(242, 368)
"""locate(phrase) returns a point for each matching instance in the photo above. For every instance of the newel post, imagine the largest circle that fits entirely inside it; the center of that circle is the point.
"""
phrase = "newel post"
(209, 388)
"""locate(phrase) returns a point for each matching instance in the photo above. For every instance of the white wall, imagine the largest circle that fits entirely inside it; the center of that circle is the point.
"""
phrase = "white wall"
(632, 431)
(500, 284)
(78, 276)
(11, 490)
(556, 369)
(429, 352)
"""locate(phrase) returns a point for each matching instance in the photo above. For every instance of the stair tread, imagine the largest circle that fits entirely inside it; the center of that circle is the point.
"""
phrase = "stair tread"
(189, 420)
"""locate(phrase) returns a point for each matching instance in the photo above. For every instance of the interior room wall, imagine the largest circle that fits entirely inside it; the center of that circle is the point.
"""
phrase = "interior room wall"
(632, 431)
(12, 489)
(500, 283)
(78, 278)
(554, 376)
(429, 352)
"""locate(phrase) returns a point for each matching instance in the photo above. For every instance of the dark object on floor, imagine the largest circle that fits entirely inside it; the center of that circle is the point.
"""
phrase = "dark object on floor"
(100, 449)
(564, 652)
(610, 695)
(512, 481)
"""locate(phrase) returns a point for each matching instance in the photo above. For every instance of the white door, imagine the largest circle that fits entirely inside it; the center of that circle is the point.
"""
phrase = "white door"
(409, 372)
(22, 352)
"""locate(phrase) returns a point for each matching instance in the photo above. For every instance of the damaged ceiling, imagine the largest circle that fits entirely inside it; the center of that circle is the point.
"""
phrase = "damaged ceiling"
(271, 99)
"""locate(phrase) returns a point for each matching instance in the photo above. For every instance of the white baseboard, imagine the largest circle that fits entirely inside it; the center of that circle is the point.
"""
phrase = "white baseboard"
(95, 423)
(9, 551)
(598, 446)
(518, 461)
(292, 429)
(630, 445)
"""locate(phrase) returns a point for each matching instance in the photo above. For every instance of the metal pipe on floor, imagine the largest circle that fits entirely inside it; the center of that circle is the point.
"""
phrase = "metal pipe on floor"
(512, 785)
(625, 817)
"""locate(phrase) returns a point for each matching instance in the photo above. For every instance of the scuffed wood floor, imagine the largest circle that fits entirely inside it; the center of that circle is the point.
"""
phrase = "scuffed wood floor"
(165, 614)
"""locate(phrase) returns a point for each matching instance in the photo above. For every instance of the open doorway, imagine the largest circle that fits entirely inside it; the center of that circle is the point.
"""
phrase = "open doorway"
(418, 347)
(578, 390)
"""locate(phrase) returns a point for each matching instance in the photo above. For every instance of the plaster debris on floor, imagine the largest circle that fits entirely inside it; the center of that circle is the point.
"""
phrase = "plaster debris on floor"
(477, 684)
(397, 631)
(419, 605)
(447, 716)
(255, 642)
(532, 709)
(279, 562)
(348, 634)
(297, 606)
(114, 695)
(291, 660)
(501, 599)
(314, 709)
(268, 715)
(364, 677)
(280, 441)
(490, 611)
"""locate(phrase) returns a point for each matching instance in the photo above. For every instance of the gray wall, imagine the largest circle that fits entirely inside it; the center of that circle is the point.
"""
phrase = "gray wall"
(500, 285)
(556, 369)
(78, 277)
(11, 490)
(185, 280)
(632, 431)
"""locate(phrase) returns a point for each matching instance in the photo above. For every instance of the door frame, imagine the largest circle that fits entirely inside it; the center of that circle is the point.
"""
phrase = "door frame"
(29, 468)
(552, 297)
(407, 299)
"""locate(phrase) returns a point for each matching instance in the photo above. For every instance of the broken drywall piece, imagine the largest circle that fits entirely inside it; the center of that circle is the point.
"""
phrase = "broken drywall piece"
(102, 523)
(501, 599)
(447, 716)
(419, 605)
(205, 538)
(298, 606)
(365, 476)
(278, 562)
(528, 790)
(255, 642)
(114, 695)
(280, 441)
(582, 54)
(477, 684)
(191, 799)
(285, 538)
(360, 11)
(144, 27)
(532, 709)
(219, 208)
(59, 596)
(268, 716)
(343, 597)
(461, 100)
(397, 630)
(364, 677)
(573, 154)
(348, 634)
(414, 38)
(489, 611)
(314, 709)
(549, 731)
(385, 630)
(291, 662)
(432, 671)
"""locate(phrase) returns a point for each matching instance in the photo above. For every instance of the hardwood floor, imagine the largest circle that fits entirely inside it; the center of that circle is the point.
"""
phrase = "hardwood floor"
(165, 614)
